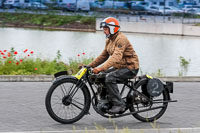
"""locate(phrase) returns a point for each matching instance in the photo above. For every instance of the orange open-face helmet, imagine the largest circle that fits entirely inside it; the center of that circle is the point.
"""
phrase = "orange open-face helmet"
(111, 23)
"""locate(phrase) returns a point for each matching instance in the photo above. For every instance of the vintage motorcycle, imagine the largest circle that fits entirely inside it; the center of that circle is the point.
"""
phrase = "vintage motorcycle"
(69, 98)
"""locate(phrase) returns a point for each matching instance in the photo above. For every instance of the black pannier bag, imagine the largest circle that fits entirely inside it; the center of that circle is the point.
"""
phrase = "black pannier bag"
(155, 87)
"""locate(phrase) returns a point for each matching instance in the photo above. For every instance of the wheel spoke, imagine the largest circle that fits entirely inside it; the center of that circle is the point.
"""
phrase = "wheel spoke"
(77, 102)
(71, 89)
(74, 92)
(63, 89)
(77, 106)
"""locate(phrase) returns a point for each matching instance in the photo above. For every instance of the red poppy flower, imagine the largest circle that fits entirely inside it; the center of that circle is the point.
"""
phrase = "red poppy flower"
(31, 52)
(9, 55)
(28, 55)
(17, 63)
(78, 55)
(20, 60)
(9, 61)
(4, 57)
(83, 53)
(35, 69)
(4, 50)
(2, 53)
(15, 52)
(25, 50)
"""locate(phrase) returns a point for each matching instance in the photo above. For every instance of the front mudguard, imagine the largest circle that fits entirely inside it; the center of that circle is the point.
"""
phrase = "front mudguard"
(62, 75)
(57, 79)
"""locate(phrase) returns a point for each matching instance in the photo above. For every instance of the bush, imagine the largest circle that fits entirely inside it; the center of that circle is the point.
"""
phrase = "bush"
(44, 20)
(10, 64)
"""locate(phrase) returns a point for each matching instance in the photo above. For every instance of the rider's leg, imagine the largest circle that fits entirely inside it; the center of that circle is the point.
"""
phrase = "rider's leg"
(111, 84)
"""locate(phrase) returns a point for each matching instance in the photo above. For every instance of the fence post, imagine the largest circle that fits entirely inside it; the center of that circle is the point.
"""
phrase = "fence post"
(182, 17)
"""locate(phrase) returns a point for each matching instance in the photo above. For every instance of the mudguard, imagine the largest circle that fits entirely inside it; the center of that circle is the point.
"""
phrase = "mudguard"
(168, 86)
(63, 77)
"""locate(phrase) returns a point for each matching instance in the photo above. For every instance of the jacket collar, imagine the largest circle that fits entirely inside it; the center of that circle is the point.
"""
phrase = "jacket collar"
(114, 36)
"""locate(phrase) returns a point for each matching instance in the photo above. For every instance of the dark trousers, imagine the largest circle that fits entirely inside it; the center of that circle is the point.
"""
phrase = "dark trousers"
(111, 80)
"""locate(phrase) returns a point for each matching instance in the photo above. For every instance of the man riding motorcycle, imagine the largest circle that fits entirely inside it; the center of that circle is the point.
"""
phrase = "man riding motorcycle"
(119, 54)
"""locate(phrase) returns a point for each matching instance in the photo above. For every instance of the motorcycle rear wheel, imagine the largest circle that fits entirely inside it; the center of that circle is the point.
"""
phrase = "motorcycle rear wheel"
(152, 115)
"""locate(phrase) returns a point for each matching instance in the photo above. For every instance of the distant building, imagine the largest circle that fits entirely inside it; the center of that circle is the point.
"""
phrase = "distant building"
(190, 1)
(162, 2)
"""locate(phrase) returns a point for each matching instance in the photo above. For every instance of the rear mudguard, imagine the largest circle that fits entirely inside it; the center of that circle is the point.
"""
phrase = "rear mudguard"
(144, 80)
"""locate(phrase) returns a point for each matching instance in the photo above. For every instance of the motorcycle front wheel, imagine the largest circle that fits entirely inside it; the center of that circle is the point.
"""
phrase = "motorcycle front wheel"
(66, 102)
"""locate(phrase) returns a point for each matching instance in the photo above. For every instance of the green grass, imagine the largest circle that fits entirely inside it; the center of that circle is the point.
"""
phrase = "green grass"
(45, 20)
(198, 24)
(186, 15)
(27, 65)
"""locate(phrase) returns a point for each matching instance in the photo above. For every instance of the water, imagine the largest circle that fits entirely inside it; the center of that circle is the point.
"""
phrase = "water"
(155, 51)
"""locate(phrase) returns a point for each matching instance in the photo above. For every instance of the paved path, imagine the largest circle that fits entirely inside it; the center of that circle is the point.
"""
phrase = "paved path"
(22, 109)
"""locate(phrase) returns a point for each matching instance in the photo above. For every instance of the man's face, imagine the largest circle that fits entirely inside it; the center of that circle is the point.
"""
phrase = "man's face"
(106, 30)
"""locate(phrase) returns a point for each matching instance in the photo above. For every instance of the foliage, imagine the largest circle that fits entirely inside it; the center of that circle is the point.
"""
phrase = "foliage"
(158, 73)
(186, 15)
(88, 20)
(198, 24)
(12, 64)
(44, 20)
(80, 60)
(184, 65)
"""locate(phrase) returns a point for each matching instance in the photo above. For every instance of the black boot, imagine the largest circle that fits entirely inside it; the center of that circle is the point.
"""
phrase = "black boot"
(117, 109)
(115, 98)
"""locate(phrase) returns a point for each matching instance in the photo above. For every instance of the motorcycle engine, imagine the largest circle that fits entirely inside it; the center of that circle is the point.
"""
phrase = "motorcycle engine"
(103, 99)
(135, 98)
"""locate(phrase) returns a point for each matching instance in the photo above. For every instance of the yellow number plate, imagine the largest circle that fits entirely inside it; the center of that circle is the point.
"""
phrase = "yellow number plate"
(80, 74)
(148, 76)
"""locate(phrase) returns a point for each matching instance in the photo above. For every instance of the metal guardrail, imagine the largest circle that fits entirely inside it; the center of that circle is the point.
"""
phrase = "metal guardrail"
(143, 16)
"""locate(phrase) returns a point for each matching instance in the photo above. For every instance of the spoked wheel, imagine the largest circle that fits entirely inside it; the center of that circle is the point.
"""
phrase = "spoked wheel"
(151, 115)
(66, 102)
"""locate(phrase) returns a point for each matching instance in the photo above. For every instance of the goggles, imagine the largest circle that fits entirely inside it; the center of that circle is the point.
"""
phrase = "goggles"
(104, 24)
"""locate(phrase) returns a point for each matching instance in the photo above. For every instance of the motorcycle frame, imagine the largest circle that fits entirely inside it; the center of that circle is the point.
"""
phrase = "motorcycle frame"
(132, 85)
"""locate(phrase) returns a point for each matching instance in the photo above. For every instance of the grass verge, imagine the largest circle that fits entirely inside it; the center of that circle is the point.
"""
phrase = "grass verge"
(47, 20)
(12, 64)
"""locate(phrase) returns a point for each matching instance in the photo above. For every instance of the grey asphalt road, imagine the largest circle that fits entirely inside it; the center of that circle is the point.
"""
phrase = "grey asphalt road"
(22, 109)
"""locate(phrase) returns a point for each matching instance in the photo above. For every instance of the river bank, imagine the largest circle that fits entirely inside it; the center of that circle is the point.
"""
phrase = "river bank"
(48, 21)
(91, 24)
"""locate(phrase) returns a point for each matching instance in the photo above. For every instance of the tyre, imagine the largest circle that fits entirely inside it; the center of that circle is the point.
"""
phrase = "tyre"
(65, 107)
(152, 115)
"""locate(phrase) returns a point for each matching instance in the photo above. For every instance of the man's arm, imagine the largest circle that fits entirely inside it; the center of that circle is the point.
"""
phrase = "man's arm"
(100, 59)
